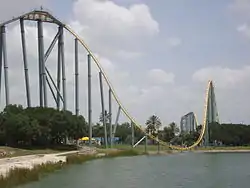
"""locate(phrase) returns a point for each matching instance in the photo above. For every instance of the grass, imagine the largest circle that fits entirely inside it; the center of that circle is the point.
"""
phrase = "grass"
(19, 176)
(224, 148)
(141, 148)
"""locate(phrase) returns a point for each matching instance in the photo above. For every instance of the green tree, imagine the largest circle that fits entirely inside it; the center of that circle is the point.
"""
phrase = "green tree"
(153, 124)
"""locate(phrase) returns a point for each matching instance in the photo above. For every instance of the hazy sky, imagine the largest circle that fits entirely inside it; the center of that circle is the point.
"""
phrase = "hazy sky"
(158, 54)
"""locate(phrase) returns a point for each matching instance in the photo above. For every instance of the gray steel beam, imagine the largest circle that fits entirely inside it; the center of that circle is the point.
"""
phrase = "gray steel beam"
(51, 89)
(5, 61)
(45, 99)
(40, 56)
(116, 120)
(54, 84)
(132, 134)
(49, 50)
(63, 71)
(110, 117)
(146, 143)
(26, 73)
(1, 60)
(76, 79)
(137, 143)
(89, 98)
(103, 110)
(58, 70)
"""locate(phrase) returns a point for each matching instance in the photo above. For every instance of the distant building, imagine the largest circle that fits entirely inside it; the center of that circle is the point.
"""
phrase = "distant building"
(188, 123)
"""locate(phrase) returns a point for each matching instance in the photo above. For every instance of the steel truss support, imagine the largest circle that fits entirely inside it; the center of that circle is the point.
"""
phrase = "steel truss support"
(116, 121)
(42, 73)
(51, 89)
(110, 118)
(59, 69)
(1, 59)
(145, 138)
(5, 63)
(52, 45)
(132, 133)
(49, 50)
(26, 73)
(63, 69)
(103, 111)
(89, 98)
(137, 143)
(76, 79)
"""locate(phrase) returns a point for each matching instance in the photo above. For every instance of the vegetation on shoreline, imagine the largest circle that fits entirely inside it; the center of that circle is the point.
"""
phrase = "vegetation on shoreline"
(19, 176)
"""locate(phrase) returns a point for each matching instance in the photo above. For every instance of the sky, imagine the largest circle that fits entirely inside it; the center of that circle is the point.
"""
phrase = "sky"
(159, 55)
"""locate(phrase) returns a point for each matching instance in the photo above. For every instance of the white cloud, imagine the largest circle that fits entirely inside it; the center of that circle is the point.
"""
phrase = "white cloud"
(244, 29)
(116, 33)
(159, 76)
(241, 7)
(174, 41)
(111, 28)
(11, 8)
(224, 77)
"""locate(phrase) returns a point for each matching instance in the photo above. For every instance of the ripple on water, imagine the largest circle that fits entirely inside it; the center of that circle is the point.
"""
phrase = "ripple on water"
(174, 171)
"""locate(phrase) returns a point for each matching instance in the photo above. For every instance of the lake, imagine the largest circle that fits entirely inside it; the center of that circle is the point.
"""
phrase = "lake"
(182, 170)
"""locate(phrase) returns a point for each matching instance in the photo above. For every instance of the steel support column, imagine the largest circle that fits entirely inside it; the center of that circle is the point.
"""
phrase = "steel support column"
(51, 89)
(43, 89)
(6, 76)
(63, 71)
(89, 98)
(26, 73)
(103, 110)
(76, 79)
(51, 46)
(58, 70)
(110, 117)
(146, 143)
(132, 134)
(116, 121)
(1, 60)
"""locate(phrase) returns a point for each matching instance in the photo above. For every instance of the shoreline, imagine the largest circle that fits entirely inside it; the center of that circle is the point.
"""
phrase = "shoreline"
(15, 172)
(20, 170)
(222, 151)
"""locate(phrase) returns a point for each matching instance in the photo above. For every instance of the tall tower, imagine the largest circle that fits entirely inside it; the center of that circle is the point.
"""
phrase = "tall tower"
(211, 112)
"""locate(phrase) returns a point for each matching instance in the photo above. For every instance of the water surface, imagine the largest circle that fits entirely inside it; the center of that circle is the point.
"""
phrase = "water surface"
(183, 170)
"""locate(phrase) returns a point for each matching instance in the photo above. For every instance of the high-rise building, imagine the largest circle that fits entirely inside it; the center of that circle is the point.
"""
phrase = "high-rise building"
(188, 123)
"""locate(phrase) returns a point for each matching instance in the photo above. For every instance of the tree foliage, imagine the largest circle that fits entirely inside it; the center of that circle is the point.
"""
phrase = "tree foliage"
(39, 126)
(153, 124)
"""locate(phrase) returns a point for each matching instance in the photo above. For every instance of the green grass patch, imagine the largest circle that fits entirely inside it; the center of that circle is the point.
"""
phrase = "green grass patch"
(20, 176)
(224, 148)
(141, 148)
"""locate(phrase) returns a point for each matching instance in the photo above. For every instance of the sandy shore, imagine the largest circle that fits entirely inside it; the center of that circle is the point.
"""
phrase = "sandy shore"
(29, 161)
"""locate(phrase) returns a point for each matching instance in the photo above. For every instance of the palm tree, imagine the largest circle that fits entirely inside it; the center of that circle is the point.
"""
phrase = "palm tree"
(174, 127)
(153, 124)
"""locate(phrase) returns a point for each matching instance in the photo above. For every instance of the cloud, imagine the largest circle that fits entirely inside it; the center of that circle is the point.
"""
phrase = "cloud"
(112, 28)
(174, 41)
(159, 76)
(119, 35)
(223, 77)
(241, 7)
(12, 8)
(244, 29)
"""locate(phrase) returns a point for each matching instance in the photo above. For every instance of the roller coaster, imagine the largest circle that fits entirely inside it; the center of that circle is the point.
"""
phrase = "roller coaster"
(41, 16)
